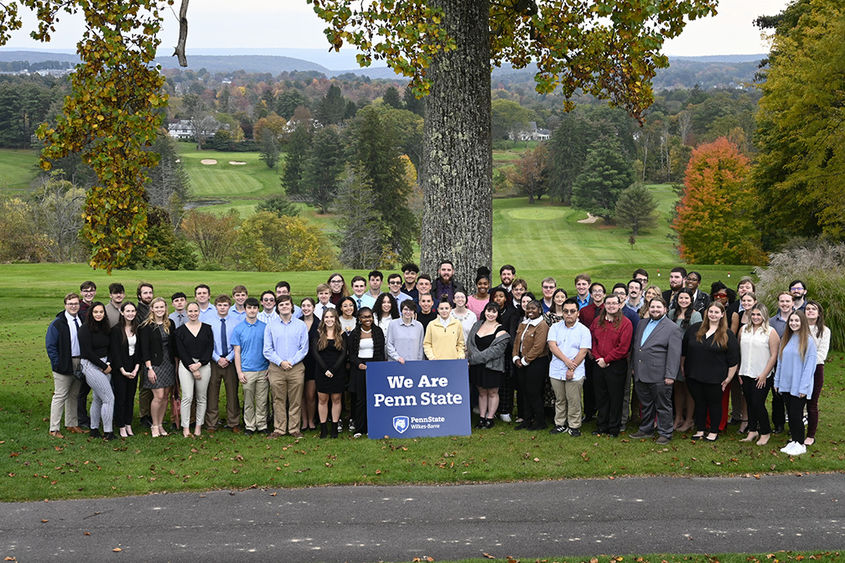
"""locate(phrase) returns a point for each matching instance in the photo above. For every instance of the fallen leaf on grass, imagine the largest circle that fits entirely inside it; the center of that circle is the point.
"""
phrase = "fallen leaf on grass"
(86, 533)
(44, 520)
(117, 549)
(488, 556)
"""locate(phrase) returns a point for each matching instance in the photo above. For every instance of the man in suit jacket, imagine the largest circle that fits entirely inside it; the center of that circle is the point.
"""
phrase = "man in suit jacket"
(655, 360)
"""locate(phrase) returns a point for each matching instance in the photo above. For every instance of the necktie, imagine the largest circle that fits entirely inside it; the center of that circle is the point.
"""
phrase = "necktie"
(224, 341)
(181, 319)
(76, 321)
(359, 302)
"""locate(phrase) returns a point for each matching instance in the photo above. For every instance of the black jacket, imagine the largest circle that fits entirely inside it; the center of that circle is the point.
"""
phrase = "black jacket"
(353, 344)
(151, 347)
(119, 353)
(58, 345)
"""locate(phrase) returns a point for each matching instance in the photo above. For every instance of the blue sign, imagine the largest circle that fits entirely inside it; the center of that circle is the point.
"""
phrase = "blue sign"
(427, 398)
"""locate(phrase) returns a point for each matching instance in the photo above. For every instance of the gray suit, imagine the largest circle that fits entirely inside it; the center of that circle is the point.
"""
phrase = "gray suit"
(653, 361)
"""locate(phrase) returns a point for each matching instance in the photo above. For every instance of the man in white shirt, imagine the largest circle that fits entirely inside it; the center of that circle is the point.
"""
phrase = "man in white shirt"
(268, 307)
(569, 342)
(324, 294)
(394, 285)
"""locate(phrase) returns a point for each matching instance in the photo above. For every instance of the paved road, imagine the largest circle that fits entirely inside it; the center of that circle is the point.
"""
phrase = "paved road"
(582, 517)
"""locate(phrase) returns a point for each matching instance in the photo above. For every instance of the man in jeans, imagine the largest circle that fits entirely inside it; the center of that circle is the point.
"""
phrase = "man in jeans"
(285, 346)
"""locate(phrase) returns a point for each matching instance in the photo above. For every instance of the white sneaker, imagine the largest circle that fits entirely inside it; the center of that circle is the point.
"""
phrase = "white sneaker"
(798, 449)
(505, 417)
(786, 449)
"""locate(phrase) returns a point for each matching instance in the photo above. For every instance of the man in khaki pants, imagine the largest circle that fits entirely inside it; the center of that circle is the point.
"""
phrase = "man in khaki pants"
(285, 346)
(63, 349)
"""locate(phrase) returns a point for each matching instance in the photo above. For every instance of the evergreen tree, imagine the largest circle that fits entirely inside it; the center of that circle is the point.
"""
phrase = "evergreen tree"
(169, 183)
(268, 148)
(288, 101)
(377, 156)
(332, 108)
(280, 205)
(412, 103)
(322, 168)
(391, 98)
(605, 174)
(361, 229)
(636, 209)
(298, 147)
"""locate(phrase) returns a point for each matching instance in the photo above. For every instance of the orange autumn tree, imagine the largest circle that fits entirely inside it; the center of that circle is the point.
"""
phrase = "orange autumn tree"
(715, 215)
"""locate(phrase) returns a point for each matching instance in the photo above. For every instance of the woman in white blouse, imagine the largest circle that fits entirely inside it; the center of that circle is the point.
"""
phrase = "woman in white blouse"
(758, 346)
(821, 334)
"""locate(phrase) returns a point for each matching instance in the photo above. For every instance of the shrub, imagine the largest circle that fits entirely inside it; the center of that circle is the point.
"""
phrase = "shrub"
(821, 266)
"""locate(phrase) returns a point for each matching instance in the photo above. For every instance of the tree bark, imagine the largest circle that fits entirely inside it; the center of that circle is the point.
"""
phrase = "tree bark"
(456, 175)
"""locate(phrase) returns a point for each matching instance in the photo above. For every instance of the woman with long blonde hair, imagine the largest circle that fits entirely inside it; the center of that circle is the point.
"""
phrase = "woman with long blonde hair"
(758, 345)
(710, 357)
(158, 354)
(794, 376)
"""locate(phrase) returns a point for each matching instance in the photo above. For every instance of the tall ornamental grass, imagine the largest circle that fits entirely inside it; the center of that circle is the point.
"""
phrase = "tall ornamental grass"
(821, 266)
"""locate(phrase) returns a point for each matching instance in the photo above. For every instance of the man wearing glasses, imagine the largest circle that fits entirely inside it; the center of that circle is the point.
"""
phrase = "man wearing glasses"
(394, 286)
(799, 294)
(549, 286)
(88, 290)
(569, 343)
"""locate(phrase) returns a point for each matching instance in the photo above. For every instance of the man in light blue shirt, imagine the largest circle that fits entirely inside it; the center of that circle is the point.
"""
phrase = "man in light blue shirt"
(360, 295)
(251, 366)
(222, 368)
(569, 342)
(285, 346)
(394, 284)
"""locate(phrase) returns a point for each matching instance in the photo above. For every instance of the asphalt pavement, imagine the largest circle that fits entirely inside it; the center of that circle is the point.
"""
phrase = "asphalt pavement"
(400, 523)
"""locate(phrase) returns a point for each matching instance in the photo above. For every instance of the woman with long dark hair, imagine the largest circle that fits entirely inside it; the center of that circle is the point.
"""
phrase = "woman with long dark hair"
(365, 344)
(710, 357)
(487, 345)
(555, 312)
(309, 387)
(328, 351)
(158, 352)
(348, 314)
(758, 345)
(338, 288)
(385, 310)
(94, 344)
(683, 315)
(126, 358)
(794, 376)
(821, 335)
(611, 334)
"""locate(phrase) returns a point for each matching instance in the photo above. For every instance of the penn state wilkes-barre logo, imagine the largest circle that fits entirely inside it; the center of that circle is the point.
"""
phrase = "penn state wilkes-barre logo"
(400, 423)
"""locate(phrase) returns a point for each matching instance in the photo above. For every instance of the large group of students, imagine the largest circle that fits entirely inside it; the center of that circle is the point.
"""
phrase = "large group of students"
(676, 360)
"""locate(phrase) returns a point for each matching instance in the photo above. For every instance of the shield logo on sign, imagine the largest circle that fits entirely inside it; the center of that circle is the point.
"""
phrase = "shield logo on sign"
(400, 423)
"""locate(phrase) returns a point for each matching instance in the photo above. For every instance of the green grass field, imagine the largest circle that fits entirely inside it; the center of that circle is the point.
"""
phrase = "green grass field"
(35, 466)
(18, 168)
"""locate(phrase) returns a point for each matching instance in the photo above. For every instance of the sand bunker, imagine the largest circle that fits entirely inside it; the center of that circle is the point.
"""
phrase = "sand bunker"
(237, 162)
(208, 161)
(590, 219)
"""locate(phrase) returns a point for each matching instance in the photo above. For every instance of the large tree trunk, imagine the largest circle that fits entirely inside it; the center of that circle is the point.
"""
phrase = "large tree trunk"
(457, 159)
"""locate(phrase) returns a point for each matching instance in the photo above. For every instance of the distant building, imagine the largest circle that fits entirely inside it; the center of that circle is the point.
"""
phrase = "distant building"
(532, 133)
(181, 130)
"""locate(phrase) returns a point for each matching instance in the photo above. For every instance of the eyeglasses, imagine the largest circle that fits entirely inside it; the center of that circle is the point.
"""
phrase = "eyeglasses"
(336, 281)
(570, 311)
(794, 287)
(395, 282)
(548, 287)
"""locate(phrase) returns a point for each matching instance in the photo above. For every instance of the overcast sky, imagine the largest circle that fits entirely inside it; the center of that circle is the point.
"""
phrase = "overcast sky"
(274, 24)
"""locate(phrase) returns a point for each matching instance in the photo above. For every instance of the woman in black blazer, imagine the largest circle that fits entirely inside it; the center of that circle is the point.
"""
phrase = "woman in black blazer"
(194, 346)
(158, 354)
(125, 357)
(364, 344)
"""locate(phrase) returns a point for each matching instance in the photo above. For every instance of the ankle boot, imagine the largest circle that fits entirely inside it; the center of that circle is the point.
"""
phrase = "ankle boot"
(333, 428)
(324, 431)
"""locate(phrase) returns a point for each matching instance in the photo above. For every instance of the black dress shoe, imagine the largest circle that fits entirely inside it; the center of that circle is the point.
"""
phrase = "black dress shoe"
(522, 425)
(109, 436)
(778, 429)
(94, 433)
(587, 418)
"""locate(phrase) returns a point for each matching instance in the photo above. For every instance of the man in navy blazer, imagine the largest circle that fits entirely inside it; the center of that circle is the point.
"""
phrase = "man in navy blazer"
(655, 360)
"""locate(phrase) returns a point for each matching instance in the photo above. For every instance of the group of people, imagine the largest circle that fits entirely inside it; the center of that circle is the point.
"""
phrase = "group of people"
(676, 359)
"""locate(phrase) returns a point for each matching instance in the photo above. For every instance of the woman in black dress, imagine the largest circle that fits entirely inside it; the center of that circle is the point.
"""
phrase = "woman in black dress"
(158, 352)
(328, 352)
(309, 389)
(487, 343)
(126, 358)
(710, 358)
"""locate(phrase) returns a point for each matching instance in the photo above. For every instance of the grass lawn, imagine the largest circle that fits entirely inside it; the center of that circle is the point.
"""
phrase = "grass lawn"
(35, 466)
(18, 167)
